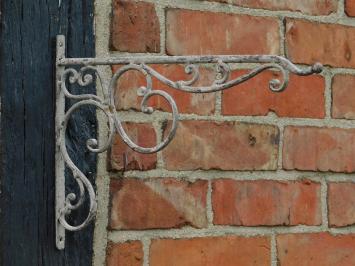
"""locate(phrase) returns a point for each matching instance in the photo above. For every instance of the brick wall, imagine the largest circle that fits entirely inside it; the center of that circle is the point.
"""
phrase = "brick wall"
(252, 177)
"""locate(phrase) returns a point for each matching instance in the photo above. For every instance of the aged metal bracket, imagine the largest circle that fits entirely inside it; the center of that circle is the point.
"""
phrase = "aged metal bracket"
(82, 71)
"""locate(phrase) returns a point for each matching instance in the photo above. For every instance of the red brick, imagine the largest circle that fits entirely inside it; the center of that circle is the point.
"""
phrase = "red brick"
(343, 97)
(310, 42)
(134, 27)
(252, 203)
(341, 204)
(311, 7)
(129, 253)
(319, 149)
(122, 157)
(202, 104)
(157, 203)
(222, 145)
(196, 32)
(320, 249)
(350, 8)
(211, 251)
(304, 97)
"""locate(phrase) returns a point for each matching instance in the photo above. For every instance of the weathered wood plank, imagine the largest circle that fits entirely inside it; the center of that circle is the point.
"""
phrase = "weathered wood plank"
(28, 30)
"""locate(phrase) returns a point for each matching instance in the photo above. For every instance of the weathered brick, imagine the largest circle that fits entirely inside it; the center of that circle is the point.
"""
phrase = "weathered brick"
(343, 97)
(312, 7)
(196, 32)
(310, 42)
(226, 251)
(304, 97)
(122, 157)
(202, 104)
(252, 203)
(134, 27)
(157, 203)
(316, 249)
(319, 149)
(341, 204)
(128, 253)
(222, 145)
(350, 8)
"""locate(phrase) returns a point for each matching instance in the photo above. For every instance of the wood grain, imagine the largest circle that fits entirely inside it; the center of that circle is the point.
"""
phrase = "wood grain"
(27, 52)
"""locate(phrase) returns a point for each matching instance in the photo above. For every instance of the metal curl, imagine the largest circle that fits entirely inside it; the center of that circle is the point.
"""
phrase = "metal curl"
(275, 85)
(222, 72)
(116, 76)
(146, 92)
(93, 145)
(82, 78)
(193, 70)
(222, 83)
(83, 183)
(162, 144)
(92, 208)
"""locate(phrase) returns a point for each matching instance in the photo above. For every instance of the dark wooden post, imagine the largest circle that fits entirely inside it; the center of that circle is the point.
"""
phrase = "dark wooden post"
(27, 52)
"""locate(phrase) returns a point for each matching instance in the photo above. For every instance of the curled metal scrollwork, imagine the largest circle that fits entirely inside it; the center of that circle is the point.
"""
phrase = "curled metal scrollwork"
(88, 74)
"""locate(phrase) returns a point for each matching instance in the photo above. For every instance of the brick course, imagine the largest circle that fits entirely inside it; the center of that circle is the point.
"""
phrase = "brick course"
(210, 251)
(331, 44)
(122, 157)
(129, 253)
(135, 27)
(341, 204)
(161, 203)
(319, 149)
(253, 203)
(316, 249)
(304, 97)
(191, 32)
(350, 8)
(217, 145)
(343, 97)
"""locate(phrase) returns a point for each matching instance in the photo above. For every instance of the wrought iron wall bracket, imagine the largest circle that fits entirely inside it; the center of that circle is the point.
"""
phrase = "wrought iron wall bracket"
(82, 71)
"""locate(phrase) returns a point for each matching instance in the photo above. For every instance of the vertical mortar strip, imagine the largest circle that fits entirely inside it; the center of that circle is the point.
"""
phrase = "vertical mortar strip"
(218, 103)
(328, 94)
(324, 204)
(102, 33)
(281, 144)
(100, 233)
(341, 8)
(282, 30)
(161, 16)
(160, 11)
(273, 250)
(209, 208)
(146, 249)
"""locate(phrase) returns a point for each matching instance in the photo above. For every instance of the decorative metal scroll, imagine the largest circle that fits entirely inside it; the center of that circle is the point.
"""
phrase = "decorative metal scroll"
(83, 72)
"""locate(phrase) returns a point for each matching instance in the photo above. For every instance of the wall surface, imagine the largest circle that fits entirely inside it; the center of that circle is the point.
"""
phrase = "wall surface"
(252, 177)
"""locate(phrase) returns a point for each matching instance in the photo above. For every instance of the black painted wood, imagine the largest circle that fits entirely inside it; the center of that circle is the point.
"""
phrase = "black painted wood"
(27, 52)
